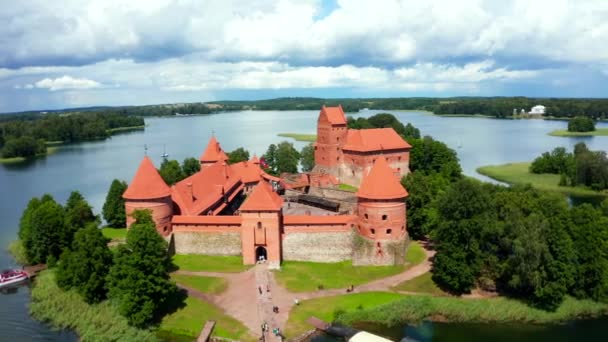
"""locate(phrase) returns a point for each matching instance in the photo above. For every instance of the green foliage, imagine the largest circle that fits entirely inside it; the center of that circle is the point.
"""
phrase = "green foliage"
(581, 124)
(383, 120)
(78, 214)
(43, 240)
(171, 171)
(138, 281)
(25, 146)
(432, 156)
(424, 190)
(307, 157)
(558, 161)
(114, 207)
(282, 158)
(190, 166)
(238, 155)
(86, 265)
(18, 252)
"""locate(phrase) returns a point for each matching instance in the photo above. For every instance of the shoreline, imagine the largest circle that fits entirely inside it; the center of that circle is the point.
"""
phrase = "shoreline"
(599, 132)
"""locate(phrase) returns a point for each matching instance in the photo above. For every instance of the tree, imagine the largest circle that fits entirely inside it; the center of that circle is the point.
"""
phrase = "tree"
(411, 132)
(171, 172)
(78, 214)
(47, 229)
(86, 265)
(238, 155)
(270, 158)
(190, 166)
(429, 155)
(25, 146)
(138, 281)
(423, 189)
(282, 158)
(114, 206)
(581, 124)
(307, 157)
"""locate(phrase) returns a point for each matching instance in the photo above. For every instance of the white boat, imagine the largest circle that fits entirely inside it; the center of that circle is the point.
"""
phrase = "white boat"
(10, 277)
(165, 154)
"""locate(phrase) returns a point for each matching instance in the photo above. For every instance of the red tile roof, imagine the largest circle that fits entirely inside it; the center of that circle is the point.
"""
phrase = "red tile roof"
(255, 159)
(207, 219)
(248, 171)
(314, 219)
(262, 198)
(213, 152)
(374, 139)
(381, 183)
(335, 115)
(147, 183)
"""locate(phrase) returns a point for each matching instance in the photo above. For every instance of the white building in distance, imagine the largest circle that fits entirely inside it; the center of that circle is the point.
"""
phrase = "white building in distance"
(537, 110)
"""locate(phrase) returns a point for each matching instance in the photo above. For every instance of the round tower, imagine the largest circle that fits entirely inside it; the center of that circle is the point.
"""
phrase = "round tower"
(148, 190)
(381, 217)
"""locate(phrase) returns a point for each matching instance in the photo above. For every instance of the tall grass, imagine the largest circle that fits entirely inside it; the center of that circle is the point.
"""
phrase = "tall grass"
(67, 310)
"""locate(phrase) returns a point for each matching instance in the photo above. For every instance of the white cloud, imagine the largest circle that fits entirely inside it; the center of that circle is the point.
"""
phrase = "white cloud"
(64, 82)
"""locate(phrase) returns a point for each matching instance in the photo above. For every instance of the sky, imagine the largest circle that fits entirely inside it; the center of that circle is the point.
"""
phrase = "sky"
(60, 54)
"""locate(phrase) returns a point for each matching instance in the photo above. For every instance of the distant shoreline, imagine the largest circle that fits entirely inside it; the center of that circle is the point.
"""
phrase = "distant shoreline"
(565, 133)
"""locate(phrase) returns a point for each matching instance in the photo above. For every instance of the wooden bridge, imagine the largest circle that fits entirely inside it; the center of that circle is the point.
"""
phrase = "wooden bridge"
(206, 332)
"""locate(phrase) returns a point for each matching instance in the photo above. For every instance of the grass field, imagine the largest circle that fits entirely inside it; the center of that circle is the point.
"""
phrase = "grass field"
(517, 173)
(210, 263)
(300, 276)
(421, 284)
(347, 187)
(412, 309)
(565, 133)
(212, 285)
(114, 233)
(325, 308)
(189, 320)
(299, 136)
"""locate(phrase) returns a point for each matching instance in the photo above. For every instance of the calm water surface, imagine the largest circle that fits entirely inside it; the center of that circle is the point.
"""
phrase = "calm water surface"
(90, 168)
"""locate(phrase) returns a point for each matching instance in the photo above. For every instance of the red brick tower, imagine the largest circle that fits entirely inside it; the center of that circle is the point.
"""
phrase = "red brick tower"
(381, 216)
(213, 153)
(261, 226)
(148, 190)
(331, 135)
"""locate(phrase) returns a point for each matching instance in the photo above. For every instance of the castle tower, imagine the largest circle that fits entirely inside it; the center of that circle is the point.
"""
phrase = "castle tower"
(331, 135)
(148, 190)
(213, 153)
(262, 219)
(381, 215)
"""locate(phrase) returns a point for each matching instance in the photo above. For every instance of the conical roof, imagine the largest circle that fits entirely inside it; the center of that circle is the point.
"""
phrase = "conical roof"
(262, 198)
(213, 152)
(147, 183)
(381, 183)
(255, 159)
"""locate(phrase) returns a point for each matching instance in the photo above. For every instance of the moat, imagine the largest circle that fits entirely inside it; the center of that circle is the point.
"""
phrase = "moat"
(90, 167)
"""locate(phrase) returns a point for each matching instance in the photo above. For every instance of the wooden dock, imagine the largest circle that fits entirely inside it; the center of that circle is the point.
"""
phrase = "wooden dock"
(33, 270)
(206, 332)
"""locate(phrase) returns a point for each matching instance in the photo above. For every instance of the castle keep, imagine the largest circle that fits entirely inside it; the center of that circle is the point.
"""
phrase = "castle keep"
(237, 209)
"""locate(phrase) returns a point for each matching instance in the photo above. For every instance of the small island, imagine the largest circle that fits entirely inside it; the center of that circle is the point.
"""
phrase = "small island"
(580, 126)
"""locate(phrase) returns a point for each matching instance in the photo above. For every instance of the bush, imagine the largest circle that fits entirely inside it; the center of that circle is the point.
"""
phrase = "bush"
(581, 124)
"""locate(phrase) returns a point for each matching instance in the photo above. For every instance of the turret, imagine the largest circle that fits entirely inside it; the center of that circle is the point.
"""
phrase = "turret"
(331, 134)
(261, 215)
(382, 216)
(148, 190)
(213, 153)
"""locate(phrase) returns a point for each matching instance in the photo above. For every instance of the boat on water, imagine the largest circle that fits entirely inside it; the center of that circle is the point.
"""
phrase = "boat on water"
(10, 277)
(165, 154)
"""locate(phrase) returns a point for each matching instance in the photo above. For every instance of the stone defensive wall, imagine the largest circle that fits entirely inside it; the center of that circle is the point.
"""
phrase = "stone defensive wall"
(318, 238)
(211, 235)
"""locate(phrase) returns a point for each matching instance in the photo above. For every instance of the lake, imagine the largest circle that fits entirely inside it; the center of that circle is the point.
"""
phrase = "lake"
(91, 167)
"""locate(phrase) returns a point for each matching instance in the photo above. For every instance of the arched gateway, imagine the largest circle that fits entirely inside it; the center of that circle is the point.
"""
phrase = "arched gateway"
(260, 253)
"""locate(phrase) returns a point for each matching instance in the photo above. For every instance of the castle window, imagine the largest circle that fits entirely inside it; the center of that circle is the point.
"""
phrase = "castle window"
(403, 228)
(373, 231)
(259, 225)
(366, 217)
(384, 217)
(389, 231)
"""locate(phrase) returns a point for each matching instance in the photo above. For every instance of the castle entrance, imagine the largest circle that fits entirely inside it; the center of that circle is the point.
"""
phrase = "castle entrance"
(260, 252)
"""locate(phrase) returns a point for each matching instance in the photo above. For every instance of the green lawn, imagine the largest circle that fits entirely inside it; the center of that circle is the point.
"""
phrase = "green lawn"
(347, 187)
(565, 133)
(517, 173)
(325, 308)
(299, 136)
(210, 263)
(114, 233)
(189, 320)
(421, 284)
(300, 276)
(212, 285)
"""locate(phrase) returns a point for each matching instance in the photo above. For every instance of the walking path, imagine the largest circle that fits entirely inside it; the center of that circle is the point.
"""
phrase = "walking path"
(257, 287)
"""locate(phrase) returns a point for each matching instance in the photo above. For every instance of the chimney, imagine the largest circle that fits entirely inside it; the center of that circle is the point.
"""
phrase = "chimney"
(190, 193)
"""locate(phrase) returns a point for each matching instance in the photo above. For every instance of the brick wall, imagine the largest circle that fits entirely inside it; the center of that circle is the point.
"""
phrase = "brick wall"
(326, 246)
(210, 243)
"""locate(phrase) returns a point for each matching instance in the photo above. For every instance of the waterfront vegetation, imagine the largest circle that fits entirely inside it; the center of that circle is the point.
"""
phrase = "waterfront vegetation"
(566, 133)
(301, 276)
(519, 173)
(328, 308)
(421, 284)
(188, 321)
(210, 263)
(113, 210)
(299, 136)
(212, 285)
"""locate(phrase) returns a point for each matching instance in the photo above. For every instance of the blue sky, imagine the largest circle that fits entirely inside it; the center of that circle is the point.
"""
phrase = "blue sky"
(57, 54)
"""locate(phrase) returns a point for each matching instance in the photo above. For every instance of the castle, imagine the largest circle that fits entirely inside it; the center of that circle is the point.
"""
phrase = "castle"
(236, 209)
